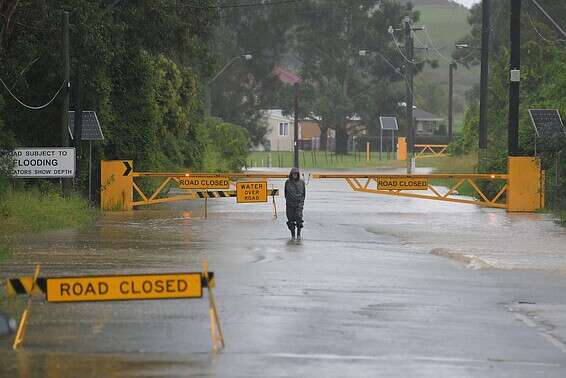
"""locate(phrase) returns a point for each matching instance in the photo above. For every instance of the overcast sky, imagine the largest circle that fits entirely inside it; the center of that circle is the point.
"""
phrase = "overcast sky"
(467, 3)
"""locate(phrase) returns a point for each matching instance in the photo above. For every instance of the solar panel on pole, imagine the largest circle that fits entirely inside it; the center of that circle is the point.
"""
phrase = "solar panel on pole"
(91, 130)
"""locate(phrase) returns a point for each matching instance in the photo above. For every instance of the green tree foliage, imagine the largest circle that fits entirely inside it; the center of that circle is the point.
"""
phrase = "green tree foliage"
(141, 64)
(249, 86)
(329, 36)
(543, 86)
(227, 146)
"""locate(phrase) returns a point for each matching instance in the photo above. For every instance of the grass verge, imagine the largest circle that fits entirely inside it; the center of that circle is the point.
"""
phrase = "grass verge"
(4, 252)
(452, 164)
(321, 160)
(32, 211)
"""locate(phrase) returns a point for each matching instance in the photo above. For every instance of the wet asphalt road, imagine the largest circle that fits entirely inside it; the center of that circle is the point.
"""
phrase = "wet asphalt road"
(369, 292)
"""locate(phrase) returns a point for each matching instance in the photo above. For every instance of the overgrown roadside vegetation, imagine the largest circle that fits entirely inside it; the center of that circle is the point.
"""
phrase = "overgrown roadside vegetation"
(32, 211)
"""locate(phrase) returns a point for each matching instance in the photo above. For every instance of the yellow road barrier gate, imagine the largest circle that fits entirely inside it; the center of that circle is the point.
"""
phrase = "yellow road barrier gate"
(119, 185)
(521, 190)
(421, 150)
(430, 150)
(117, 288)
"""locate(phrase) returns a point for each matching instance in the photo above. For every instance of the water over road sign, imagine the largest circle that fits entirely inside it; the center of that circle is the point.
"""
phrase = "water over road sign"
(50, 162)
(204, 182)
(129, 287)
(250, 192)
(402, 183)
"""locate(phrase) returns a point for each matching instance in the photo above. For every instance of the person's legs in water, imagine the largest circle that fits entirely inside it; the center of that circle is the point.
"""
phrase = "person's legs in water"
(290, 210)
(299, 221)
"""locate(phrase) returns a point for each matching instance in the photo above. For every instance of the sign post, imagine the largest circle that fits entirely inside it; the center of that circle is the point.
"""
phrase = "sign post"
(387, 123)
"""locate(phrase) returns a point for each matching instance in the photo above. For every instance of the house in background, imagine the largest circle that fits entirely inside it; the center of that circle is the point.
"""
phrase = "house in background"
(279, 136)
(310, 134)
(428, 124)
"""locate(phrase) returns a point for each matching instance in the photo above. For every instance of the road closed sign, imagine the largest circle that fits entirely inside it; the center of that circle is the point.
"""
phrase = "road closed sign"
(42, 162)
(402, 183)
(118, 288)
(204, 182)
(250, 192)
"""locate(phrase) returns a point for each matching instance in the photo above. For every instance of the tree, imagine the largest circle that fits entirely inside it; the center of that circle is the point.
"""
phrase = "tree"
(329, 36)
(141, 64)
(248, 87)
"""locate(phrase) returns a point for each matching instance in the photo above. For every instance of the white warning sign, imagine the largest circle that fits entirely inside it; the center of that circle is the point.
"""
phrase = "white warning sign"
(49, 162)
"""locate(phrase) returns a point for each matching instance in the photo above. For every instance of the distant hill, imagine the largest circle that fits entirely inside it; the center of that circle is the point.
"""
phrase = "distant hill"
(446, 22)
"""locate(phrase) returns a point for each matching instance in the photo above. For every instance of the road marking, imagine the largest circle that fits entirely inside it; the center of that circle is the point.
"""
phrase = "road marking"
(547, 336)
(410, 358)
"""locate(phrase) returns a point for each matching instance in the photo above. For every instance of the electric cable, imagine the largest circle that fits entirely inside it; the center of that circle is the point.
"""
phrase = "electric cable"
(30, 107)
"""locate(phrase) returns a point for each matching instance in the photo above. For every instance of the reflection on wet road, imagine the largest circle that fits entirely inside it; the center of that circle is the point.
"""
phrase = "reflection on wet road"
(368, 292)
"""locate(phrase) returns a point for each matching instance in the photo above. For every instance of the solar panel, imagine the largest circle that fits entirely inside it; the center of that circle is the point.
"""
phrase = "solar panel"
(388, 123)
(91, 126)
(547, 123)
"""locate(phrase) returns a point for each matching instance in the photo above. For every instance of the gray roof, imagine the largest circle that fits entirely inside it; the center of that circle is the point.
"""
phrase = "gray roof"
(423, 115)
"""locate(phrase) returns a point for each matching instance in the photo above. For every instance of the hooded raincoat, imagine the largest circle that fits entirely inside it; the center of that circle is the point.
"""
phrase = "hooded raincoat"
(295, 193)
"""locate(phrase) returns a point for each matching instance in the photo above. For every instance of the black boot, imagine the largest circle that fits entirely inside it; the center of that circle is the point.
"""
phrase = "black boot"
(299, 233)
(293, 233)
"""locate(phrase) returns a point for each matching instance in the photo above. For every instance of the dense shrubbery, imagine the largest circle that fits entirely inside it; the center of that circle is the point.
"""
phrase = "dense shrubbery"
(227, 146)
(543, 86)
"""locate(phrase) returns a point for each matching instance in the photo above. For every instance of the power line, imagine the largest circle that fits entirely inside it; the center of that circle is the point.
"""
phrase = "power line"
(541, 36)
(396, 43)
(434, 47)
(29, 106)
(545, 13)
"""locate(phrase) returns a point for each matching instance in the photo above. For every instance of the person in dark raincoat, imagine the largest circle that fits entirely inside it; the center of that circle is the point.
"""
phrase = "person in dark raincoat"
(295, 193)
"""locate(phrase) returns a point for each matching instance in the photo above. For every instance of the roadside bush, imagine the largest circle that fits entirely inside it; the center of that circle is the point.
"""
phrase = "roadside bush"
(226, 146)
(6, 144)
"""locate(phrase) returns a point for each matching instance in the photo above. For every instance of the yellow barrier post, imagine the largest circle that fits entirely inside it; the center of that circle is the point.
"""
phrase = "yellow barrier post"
(367, 152)
(215, 328)
(525, 193)
(116, 185)
(401, 148)
(20, 335)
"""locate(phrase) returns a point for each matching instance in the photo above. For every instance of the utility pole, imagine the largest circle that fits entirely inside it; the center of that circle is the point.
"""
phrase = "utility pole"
(78, 126)
(484, 82)
(515, 79)
(451, 101)
(410, 71)
(296, 124)
(67, 183)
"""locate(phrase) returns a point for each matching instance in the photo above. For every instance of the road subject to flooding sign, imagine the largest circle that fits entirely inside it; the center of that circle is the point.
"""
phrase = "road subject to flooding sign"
(113, 288)
(402, 183)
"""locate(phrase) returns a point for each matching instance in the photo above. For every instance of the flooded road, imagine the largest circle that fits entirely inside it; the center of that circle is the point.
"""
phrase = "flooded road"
(380, 286)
